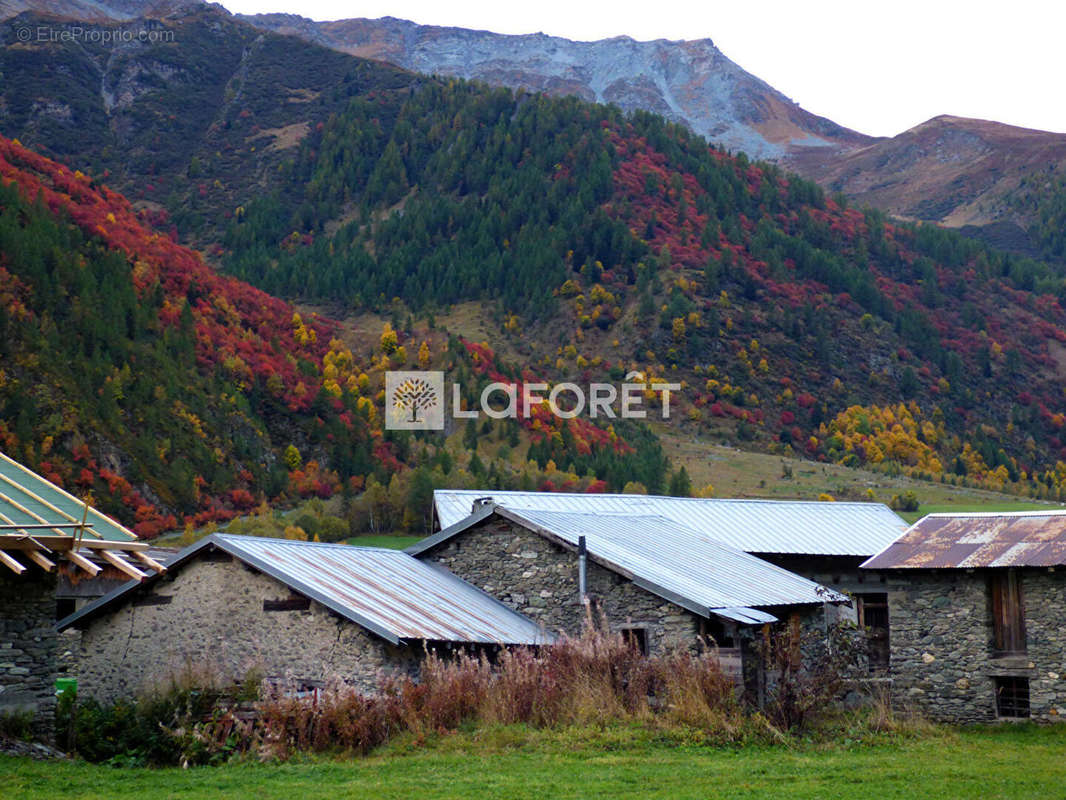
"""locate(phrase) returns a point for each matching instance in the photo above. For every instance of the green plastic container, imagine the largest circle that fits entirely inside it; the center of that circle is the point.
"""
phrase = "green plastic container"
(66, 685)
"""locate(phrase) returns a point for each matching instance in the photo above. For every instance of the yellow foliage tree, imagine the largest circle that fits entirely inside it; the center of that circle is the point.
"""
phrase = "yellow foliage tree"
(389, 340)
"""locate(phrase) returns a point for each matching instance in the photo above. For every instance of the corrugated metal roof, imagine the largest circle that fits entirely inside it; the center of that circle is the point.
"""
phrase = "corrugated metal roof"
(755, 526)
(665, 558)
(28, 499)
(954, 541)
(386, 591)
(661, 551)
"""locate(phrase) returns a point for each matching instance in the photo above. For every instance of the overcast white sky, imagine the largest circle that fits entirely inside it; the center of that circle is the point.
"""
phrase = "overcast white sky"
(878, 67)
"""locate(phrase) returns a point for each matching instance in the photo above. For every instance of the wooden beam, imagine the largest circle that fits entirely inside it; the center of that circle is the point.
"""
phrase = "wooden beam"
(144, 558)
(123, 565)
(22, 508)
(8, 525)
(11, 563)
(38, 558)
(105, 544)
(13, 541)
(38, 498)
(83, 562)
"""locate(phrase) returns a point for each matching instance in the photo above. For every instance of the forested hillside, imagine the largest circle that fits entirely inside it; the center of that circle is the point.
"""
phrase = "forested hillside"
(131, 370)
(590, 243)
(602, 241)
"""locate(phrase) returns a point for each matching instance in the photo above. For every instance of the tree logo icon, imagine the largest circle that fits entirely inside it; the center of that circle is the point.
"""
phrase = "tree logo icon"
(415, 394)
(414, 400)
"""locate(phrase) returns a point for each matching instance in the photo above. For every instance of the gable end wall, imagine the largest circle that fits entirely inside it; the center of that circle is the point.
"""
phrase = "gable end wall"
(215, 624)
(539, 578)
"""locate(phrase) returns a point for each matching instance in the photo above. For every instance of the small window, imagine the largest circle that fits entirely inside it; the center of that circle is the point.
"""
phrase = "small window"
(637, 638)
(1008, 613)
(1012, 697)
(291, 603)
(716, 633)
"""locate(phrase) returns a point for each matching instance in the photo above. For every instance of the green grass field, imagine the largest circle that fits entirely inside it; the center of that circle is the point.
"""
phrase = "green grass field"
(963, 505)
(988, 763)
(391, 541)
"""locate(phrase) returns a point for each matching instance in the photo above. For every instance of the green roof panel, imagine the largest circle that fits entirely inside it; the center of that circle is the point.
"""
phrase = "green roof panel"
(28, 499)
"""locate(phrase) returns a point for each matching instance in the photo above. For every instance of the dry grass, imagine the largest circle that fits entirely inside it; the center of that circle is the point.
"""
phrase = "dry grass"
(597, 679)
(740, 473)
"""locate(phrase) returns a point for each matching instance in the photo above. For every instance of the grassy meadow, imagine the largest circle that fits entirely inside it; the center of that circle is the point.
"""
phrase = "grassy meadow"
(1005, 762)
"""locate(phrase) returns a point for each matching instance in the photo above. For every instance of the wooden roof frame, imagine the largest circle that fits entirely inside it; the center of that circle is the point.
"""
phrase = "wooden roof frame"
(63, 535)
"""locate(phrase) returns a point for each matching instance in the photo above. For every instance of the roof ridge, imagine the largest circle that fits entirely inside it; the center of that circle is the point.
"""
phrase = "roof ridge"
(779, 501)
(1050, 512)
(301, 542)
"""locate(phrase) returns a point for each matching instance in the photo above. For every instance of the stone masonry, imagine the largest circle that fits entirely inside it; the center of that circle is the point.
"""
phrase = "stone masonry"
(942, 660)
(539, 578)
(28, 645)
(215, 623)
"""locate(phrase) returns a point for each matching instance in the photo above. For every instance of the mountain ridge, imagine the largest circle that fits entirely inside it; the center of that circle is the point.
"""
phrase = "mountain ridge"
(692, 82)
(672, 78)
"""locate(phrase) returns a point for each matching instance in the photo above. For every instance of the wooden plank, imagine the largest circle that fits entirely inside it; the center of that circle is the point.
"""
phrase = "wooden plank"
(23, 509)
(36, 497)
(146, 559)
(1008, 613)
(106, 544)
(38, 558)
(45, 526)
(12, 541)
(11, 563)
(83, 562)
(122, 564)
(81, 528)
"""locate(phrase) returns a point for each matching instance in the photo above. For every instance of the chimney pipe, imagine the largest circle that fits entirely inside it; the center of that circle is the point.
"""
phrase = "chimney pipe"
(582, 558)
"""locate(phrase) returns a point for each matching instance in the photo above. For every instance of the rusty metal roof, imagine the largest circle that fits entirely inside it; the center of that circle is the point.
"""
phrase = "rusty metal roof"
(755, 526)
(386, 591)
(665, 558)
(961, 541)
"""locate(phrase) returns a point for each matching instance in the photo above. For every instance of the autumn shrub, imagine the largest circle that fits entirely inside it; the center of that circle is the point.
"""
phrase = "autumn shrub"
(597, 679)
(336, 718)
(807, 671)
(693, 691)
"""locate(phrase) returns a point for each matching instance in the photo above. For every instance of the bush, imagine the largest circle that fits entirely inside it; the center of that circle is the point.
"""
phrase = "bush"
(596, 679)
(807, 670)
(17, 725)
(908, 501)
(151, 730)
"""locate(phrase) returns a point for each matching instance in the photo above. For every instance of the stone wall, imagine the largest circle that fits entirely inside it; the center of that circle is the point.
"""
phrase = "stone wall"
(840, 573)
(539, 578)
(942, 662)
(215, 625)
(28, 645)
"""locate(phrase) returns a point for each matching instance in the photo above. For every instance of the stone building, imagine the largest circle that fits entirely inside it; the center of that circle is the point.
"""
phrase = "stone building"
(47, 538)
(294, 612)
(661, 583)
(823, 542)
(977, 604)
